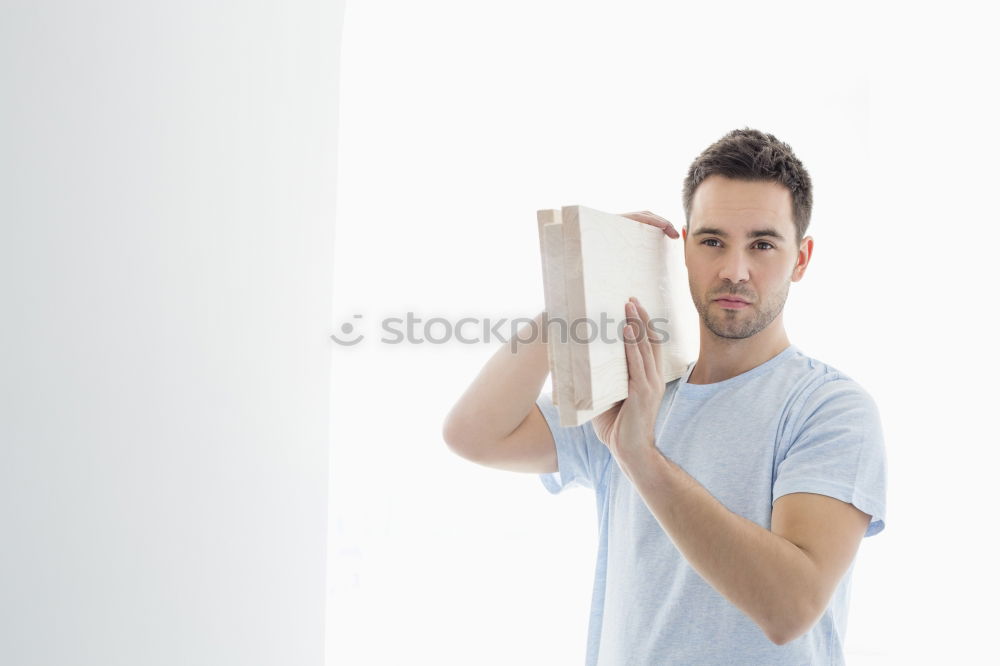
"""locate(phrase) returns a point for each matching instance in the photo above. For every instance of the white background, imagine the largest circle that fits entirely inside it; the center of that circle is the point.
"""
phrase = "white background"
(460, 119)
(167, 172)
(167, 182)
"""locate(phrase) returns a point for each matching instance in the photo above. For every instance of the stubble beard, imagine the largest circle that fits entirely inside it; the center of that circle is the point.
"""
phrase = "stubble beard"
(742, 323)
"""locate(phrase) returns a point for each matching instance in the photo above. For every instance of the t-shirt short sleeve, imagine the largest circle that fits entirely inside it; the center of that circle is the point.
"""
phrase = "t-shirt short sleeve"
(582, 457)
(837, 449)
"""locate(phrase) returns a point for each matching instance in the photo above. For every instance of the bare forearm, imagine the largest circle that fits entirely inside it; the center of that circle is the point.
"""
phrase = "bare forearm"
(504, 391)
(766, 576)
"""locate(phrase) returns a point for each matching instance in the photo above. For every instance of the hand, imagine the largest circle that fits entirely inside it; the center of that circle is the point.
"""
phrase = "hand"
(627, 427)
(647, 217)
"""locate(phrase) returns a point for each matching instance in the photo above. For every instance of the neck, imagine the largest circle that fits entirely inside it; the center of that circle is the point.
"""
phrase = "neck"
(720, 359)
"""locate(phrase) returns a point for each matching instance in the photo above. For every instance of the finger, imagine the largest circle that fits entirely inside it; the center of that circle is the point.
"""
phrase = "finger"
(651, 219)
(656, 344)
(655, 220)
(632, 357)
(645, 349)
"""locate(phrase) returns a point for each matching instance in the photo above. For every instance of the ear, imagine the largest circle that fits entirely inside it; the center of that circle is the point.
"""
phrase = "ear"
(684, 234)
(802, 260)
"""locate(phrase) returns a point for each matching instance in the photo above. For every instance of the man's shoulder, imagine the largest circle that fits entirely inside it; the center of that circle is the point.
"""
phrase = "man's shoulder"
(814, 384)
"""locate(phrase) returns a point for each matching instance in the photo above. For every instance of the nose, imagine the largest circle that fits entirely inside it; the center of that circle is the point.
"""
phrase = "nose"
(735, 267)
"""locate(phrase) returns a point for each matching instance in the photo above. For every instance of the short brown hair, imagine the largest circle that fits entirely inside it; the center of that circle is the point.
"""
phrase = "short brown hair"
(748, 154)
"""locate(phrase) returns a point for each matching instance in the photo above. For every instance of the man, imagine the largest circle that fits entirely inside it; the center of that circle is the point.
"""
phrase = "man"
(731, 501)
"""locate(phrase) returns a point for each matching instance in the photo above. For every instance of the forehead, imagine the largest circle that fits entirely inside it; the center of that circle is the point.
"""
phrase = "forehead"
(719, 199)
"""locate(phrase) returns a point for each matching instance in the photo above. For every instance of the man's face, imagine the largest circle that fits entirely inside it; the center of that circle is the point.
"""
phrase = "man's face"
(741, 245)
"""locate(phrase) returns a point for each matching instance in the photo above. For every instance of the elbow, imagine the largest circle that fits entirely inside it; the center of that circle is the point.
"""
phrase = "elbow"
(785, 633)
(791, 625)
(449, 433)
(454, 436)
(782, 637)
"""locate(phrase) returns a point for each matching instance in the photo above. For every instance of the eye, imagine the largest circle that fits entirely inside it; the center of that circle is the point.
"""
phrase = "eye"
(710, 240)
(769, 246)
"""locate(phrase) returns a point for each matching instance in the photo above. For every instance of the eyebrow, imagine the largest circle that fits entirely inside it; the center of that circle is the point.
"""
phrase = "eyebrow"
(756, 233)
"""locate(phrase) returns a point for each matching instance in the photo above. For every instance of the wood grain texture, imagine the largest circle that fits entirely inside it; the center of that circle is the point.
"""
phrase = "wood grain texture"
(560, 364)
(546, 242)
(605, 259)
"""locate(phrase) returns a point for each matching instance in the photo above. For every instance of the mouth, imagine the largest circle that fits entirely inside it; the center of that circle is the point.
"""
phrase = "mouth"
(732, 303)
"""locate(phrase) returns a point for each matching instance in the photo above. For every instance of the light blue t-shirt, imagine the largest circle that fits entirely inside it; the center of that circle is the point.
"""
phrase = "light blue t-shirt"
(791, 424)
